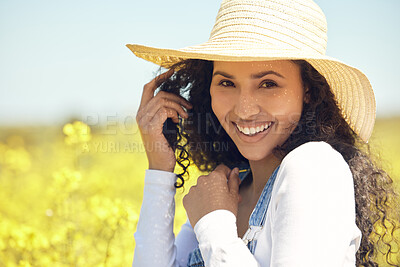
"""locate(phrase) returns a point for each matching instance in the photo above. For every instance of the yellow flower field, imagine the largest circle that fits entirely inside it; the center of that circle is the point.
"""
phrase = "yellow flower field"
(71, 195)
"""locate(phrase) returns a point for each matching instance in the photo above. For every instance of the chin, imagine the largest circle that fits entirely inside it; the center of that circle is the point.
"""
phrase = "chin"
(255, 154)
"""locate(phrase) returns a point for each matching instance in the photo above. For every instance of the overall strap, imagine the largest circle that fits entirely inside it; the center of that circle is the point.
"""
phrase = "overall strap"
(257, 217)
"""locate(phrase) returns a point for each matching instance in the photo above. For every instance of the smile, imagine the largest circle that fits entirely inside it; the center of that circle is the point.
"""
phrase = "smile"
(250, 131)
(254, 133)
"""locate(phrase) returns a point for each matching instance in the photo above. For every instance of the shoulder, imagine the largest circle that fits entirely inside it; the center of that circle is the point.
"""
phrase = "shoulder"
(316, 150)
(312, 204)
(316, 155)
(314, 163)
(314, 177)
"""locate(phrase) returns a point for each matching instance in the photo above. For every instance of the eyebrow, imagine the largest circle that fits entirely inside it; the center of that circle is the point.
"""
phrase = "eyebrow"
(253, 76)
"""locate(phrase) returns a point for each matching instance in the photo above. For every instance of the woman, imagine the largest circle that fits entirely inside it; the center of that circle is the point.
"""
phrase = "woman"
(290, 118)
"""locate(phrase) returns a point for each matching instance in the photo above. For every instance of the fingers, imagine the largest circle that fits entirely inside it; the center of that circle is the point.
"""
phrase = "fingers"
(168, 100)
(161, 116)
(223, 169)
(176, 98)
(240, 198)
(222, 175)
(164, 105)
(149, 88)
(234, 181)
(154, 110)
(153, 124)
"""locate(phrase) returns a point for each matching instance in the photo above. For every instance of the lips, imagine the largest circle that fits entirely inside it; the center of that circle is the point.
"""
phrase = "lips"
(254, 133)
(254, 129)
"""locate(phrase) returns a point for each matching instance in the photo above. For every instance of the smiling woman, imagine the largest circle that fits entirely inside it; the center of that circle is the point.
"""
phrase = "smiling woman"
(249, 95)
(294, 186)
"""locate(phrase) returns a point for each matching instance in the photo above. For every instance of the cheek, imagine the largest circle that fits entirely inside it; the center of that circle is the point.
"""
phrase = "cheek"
(214, 101)
(219, 104)
(288, 107)
(294, 113)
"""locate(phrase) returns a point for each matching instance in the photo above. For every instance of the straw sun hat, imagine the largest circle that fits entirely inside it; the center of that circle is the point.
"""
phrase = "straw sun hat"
(258, 30)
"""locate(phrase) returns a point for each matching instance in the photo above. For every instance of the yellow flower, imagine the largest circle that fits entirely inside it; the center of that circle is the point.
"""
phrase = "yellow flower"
(76, 133)
(17, 159)
(67, 179)
(23, 263)
(14, 156)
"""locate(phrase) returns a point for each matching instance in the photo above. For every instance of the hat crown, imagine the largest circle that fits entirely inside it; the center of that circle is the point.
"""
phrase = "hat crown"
(284, 24)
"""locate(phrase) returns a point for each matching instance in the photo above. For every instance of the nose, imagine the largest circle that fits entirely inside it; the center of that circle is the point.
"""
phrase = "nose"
(246, 106)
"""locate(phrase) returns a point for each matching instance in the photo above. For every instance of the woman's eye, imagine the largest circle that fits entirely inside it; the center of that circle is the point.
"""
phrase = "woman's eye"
(268, 84)
(225, 83)
(265, 84)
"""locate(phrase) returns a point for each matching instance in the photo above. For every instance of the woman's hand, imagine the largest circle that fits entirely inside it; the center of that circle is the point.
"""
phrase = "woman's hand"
(217, 190)
(152, 113)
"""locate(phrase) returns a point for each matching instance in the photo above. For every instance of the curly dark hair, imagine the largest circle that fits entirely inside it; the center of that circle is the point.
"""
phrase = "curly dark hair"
(200, 137)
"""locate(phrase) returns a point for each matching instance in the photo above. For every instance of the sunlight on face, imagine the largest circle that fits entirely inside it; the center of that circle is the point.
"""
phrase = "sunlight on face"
(257, 103)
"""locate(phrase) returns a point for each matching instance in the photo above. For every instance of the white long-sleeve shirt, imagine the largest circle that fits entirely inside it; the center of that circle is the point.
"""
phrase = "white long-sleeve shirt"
(310, 220)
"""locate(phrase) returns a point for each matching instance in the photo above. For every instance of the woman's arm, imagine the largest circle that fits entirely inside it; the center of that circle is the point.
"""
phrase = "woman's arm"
(155, 240)
(185, 242)
(313, 209)
(313, 216)
(219, 242)
(212, 207)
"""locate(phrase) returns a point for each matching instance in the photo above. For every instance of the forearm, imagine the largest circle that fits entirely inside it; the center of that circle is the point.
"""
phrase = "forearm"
(154, 235)
(219, 242)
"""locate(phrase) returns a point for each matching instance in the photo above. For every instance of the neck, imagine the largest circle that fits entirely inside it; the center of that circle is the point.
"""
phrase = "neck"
(261, 171)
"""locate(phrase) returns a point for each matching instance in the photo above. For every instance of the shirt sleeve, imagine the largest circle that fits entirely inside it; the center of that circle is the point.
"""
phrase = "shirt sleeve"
(219, 242)
(185, 242)
(154, 236)
(313, 211)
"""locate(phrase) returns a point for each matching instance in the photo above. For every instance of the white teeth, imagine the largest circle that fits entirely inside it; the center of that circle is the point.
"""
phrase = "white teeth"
(253, 130)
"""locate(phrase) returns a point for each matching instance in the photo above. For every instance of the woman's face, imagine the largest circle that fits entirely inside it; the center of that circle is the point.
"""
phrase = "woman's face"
(257, 103)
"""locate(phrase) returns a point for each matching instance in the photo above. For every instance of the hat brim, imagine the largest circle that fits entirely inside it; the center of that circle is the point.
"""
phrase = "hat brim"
(351, 87)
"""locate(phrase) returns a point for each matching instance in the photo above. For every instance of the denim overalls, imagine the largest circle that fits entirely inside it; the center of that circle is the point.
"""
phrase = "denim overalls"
(256, 221)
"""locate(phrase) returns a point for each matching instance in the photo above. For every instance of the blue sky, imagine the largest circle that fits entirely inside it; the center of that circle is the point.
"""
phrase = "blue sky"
(68, 58)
